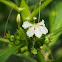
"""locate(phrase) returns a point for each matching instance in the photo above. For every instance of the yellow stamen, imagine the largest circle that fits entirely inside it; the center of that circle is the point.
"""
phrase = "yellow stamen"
(35, 25)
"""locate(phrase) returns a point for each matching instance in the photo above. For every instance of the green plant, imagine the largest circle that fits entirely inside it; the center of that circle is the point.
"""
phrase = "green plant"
(22, 45)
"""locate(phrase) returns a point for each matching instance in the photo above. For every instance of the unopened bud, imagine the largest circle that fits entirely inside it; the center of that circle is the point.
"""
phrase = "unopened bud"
(18, 18)
(34, 18)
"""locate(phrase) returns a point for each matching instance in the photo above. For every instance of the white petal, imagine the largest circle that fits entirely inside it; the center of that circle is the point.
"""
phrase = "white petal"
(43, 29)
(26, 25)
(30, 32)
(38, 33)
(42, 23)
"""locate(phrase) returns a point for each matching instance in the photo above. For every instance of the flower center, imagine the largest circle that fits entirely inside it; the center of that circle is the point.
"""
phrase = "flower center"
(35, 25)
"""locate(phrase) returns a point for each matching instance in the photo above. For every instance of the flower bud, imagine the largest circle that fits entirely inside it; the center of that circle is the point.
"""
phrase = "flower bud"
(34, 18)
(18, 18)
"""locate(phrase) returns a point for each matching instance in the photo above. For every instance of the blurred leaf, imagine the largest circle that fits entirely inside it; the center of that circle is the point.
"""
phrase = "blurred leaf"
(53, 36)
(27, 58)
(12, 5)
(49, 39)
(22, 34)
(1, 45)
(40, 57)
(18, 2)
(59, 30)
(34, 51)
(56, 22)
(25, 13)
(58, 60)
(36, 10)
(5, 53)
(4, 40)
(24, 48)
(58, 53)
(20, 58)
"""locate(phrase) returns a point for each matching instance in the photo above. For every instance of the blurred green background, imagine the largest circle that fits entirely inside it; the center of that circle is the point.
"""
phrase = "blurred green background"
(53, 12)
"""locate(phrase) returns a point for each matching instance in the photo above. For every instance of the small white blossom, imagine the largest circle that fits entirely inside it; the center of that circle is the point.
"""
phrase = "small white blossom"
(37, 29)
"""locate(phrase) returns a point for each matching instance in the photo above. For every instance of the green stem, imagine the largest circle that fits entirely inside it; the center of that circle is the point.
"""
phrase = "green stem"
(19, 29)
(35, 11)
(12, 5)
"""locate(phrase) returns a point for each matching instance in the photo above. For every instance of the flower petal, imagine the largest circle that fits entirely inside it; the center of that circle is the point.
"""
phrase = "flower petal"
(30, 32)
(43, 29)
(42, 23)
(26, 25)
(38, 33)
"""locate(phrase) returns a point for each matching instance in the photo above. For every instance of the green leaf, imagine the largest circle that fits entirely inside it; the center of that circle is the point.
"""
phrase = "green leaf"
(4, 40)
(56, 22)
(34, 51)
(59, 30)
(58, 60)
(25, 13)
(20, 58)
(12, 5)
(18, 2)
(56, 17)
(52, 37)
(40, 57)
(5, 53)
(22, 34)
(36, 10)
(27, 58)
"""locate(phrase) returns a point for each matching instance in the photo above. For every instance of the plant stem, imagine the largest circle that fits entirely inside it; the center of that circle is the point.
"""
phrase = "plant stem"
(19, 29)
(6, 26)
(39, 11)
(50, 52)
(35, 11)
(43, 53)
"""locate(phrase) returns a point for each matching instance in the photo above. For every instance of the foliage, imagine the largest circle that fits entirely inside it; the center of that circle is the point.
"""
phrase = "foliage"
(7, 52)
(23, 46)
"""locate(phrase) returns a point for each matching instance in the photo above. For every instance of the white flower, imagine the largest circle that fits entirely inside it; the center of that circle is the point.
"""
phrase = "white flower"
(37, 29)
